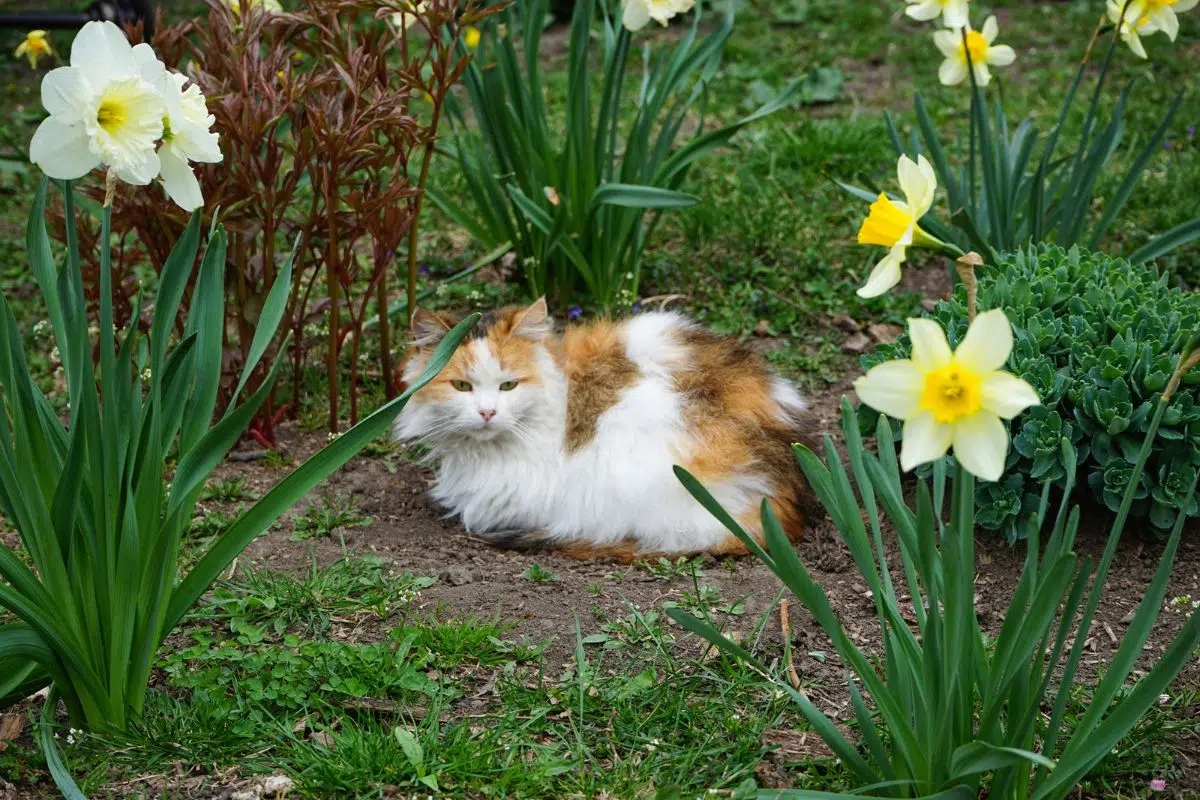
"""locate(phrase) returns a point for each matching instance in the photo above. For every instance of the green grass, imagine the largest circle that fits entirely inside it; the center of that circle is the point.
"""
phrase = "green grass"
(264, 683)
(311, 675)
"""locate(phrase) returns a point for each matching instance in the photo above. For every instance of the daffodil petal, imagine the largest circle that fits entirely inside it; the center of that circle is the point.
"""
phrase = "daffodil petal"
(981, 445)
(636, 15)
(923, 11)
(141, 169)
(64, 93)
(61, 150)
(952, 72)
(1001, 55)
(947, 43)
(925, 440)
(885, 275)
(1165, 20)
(180, 181)
(930, 350)
(982, 76)
(893, 388)
(101, 50)
(991, 29)
(918, 182)
(955, 14)
(1006, 395)
(988, 343)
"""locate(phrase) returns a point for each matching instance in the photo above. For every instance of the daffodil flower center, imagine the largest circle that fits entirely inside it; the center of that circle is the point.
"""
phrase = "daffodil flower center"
(951, 393)
(168, 135)
(886, 224)
(112, 115)
(976, 46)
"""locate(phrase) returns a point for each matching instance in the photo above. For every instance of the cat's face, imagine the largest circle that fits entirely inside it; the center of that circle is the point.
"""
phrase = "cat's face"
(493, 386)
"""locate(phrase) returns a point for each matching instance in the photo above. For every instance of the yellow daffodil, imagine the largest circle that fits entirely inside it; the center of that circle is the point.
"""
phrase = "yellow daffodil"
(893, 224)
(471, 37)
(952, 399)
(266, 6)
(104, 109)
(979, 45)
(638, 13)
(34, 48)
(953, 12)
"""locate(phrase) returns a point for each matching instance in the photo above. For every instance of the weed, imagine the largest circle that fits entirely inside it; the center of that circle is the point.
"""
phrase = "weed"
(667, 569)
(228, 490)
(349, 591)
(536, 573)
(331, 515)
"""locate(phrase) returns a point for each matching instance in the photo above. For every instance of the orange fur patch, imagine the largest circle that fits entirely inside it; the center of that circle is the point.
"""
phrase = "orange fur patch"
(597, 369)
(737, 424)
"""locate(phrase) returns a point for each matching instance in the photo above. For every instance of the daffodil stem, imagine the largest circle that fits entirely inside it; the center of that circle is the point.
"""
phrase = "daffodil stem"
(1187, 362)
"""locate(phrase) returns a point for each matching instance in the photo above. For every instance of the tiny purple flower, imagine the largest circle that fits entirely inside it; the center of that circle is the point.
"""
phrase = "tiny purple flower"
(422, 270)
(1191, 131)
(574, 312)
(1168, 145)
(636, 308)
(1158, 785)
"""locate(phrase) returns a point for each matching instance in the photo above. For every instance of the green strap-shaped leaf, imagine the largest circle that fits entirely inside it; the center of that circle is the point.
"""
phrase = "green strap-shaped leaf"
(632, 196)
(62, 778)
(1164, 243)
(268, 321)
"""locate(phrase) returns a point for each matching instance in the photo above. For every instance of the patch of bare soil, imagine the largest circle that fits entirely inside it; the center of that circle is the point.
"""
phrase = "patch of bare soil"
(477, 579)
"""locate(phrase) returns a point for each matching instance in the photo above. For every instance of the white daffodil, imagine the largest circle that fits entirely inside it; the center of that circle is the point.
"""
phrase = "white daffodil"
(639, 12)
(405, 20)
(954, 12)
(103, 110)
(1143, 17)
(1163, 14)
(893, 224)
(952, 399)
(979, 46)
(266, 6)
(186, 135)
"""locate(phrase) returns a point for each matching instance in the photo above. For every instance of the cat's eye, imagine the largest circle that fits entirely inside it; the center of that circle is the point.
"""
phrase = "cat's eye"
(508, 386)
(461, 386)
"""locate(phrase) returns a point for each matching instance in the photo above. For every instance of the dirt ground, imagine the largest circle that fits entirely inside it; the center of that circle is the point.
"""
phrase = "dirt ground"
(477, 579)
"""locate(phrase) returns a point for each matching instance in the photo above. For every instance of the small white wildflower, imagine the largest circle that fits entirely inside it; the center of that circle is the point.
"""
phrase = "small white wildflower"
(146, 374)
(42, 328)
(333, 435)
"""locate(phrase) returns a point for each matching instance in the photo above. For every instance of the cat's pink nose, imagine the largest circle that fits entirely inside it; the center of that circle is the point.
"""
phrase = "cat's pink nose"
(487, 414)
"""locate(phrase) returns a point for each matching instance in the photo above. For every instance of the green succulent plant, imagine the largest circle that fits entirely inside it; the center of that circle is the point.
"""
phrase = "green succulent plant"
(1097, 338)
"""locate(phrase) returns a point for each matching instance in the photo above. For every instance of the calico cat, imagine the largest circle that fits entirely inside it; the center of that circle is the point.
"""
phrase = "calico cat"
(568, 440)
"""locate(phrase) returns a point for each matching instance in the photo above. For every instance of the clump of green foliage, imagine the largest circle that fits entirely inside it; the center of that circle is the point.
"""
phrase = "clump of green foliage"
(1095, 337)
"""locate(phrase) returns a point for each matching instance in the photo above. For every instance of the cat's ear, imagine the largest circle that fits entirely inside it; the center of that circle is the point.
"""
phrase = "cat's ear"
(428, 327)
(533, 322)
